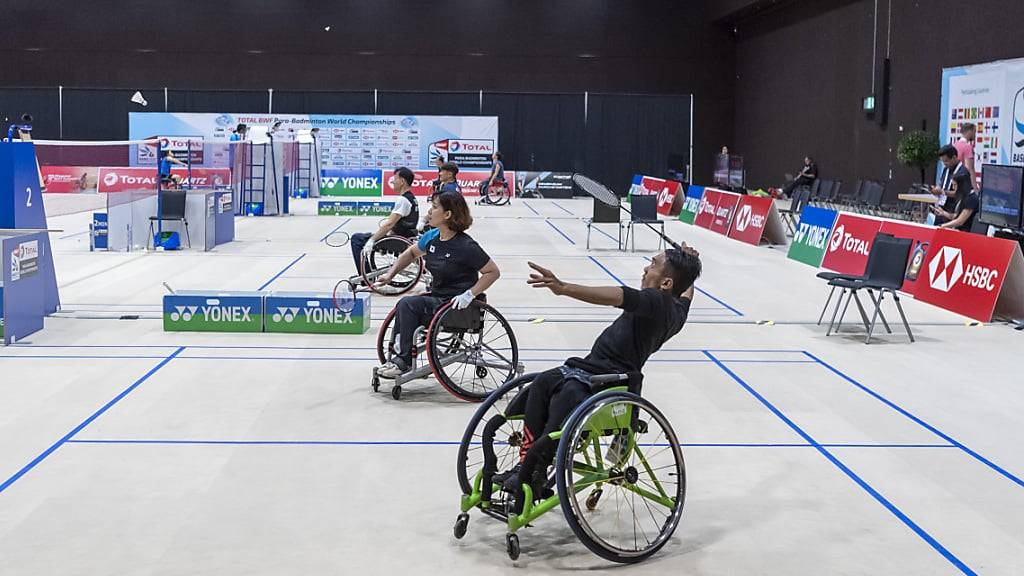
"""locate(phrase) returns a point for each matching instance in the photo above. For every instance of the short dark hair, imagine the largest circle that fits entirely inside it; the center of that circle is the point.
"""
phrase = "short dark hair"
(684, 269)
(497, 155)
(405, 174)
(451, 167)
(948, 151)
(456, 204)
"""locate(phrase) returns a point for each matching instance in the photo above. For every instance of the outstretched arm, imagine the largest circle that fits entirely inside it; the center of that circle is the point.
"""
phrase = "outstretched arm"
(600, 295)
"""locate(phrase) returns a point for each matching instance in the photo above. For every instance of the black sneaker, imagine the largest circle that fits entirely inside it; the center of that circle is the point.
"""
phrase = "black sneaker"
(501, 477)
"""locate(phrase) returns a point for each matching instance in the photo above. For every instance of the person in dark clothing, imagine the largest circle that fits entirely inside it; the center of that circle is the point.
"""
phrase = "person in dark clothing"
(401, 222)
(955, 180)
(808, 174)
(965, 206)
(650, 317)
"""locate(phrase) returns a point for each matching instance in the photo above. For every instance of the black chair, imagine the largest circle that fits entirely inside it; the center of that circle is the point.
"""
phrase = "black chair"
(887, 274)
(830, 276)
(797, 202)
(605, 214)
(644, 210)
(172, 209)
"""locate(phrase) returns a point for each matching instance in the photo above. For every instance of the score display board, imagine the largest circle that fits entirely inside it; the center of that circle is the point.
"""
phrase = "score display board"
(344, 142)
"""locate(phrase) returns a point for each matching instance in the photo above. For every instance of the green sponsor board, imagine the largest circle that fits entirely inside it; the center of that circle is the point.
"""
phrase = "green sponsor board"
(691, 204)
(812, 235)
(351, 183)
(213, 312)
(309, 313)
(354, 208)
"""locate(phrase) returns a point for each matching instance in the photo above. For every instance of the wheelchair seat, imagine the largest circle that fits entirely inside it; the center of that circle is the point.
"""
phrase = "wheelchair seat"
(467, 319)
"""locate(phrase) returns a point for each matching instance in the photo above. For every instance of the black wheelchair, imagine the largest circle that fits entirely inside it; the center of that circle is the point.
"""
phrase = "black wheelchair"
(618, 473)
(384, 254)
(471, 352)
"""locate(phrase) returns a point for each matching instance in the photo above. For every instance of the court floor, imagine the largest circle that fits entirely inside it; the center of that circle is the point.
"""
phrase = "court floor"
(128, 450)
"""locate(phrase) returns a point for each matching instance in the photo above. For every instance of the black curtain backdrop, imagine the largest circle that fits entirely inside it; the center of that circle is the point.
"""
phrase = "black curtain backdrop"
(102, 114)
(296, 102)
(538, 131)
(429, 103)
(42, 103)
(255, 101)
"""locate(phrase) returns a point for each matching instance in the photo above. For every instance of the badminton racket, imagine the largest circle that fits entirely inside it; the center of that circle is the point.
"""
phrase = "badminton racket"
(337, 239)
(604, 195)
(346, 295)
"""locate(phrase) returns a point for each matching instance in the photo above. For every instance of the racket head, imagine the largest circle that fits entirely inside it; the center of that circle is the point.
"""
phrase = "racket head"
(594, 188)
(337, 239)
(345, 295)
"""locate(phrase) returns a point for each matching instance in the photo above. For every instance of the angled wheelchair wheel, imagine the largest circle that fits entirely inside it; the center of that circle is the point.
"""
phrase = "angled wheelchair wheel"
(387, 337)
(472, 352)
(498, 194)
(385, 252)
(492, 424)
(620, 446)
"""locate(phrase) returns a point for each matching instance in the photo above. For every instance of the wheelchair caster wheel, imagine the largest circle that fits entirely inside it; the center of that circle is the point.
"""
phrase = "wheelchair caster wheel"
(461, 525)
(375, 384)
(512, 544)
(396, 392)
(481, 372)
(593, 499)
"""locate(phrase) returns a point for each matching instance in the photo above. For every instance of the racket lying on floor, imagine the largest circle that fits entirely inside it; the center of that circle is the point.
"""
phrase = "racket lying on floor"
(604, 195)
(337, 239)
(346, 294)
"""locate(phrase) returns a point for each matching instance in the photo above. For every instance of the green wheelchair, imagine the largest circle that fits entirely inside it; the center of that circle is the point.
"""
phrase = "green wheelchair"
(618, 472)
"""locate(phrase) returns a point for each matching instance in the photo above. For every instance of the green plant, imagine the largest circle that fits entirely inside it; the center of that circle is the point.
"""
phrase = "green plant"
(918, 149)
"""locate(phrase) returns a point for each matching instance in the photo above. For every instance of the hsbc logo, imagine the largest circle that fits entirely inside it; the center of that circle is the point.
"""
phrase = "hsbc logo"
(743, 218)
(947, 268)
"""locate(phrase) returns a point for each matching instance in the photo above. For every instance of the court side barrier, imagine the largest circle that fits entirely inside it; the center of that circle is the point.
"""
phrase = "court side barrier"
(977, 276)
(261, 311)
(748, 219)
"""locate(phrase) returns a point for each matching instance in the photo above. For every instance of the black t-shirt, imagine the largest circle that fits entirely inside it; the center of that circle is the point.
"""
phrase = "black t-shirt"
(812, 170)
(650, 318)
(454, 264)
(969, 202)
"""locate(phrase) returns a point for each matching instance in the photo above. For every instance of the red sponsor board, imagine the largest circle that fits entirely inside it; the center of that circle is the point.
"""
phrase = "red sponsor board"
(922, 238)
(751, 218)
(847, 250)
(69, 179)
(964, 273)
(422, 185)
(706, 209)
(126, 179)
(667, 192)
(724, 212)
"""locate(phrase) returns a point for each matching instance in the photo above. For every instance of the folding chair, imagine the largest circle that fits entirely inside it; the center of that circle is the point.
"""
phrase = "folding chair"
(172, 209)
(644, 209)
(605, 214)
(830, 276)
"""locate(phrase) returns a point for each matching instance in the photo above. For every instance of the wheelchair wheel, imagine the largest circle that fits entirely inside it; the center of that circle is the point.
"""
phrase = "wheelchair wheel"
(385, 252)
(507, 437)
(498, 194)
(472, 352)
(620, 444)
(386, 336)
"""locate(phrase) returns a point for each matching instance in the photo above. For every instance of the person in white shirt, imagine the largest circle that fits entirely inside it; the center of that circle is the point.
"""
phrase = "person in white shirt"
(401, 222)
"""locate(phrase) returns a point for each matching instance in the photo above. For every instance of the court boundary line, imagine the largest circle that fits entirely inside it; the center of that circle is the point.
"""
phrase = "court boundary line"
(338, 227)
(283, 270)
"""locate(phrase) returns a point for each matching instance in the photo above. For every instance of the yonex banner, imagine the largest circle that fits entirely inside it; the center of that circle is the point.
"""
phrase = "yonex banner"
(354, 208)
(850, 243)
(973, 275)
(688, 212)
(309, 313)
(190, 311)
(812, 235)
(351, 182)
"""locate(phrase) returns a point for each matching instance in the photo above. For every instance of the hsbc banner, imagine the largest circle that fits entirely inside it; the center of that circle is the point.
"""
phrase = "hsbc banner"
(344, 142)
(144, 179)
(669, 192)
(751, 219)
(351, 182)
(69, 179)
(422, 185)
(691, 205)
(850, 243)
(967, 273)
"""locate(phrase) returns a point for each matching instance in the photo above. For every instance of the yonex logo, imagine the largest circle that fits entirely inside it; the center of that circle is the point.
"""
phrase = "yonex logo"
(286, 314)
(743, 218)
(330, 181)
(945, 270)
(183, 313)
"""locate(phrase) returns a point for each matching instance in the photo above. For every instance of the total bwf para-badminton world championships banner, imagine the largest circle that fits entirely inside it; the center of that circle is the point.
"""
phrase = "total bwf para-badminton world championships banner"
(344, 142)
(992, 97)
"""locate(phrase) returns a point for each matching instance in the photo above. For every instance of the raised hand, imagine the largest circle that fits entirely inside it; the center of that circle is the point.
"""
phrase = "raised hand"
(544, 278)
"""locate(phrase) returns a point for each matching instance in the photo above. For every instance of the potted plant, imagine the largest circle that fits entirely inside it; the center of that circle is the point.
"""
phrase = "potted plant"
(918, 149)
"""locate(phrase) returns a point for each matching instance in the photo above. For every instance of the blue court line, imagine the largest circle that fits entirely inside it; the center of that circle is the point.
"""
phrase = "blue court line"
(324, 239)
(67, 437)
(72, 235)
(456, 443)
(704, 292)
(527, 204)
(283, 270)
(919, 421)
(606, 270)
(846, 470)
(267, 347)
(364, 359)
(550, 223)
(563, 208)
(610, 237)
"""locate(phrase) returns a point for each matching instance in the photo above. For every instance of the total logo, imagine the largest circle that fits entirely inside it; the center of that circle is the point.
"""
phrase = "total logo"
(471, 146)
(110, 179)
(947, 268)
(706, 207)
(212, 313)
(848, 242)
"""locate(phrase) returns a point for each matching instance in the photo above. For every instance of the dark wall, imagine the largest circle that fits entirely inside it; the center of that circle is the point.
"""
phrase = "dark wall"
(607, 46)
(802, 72)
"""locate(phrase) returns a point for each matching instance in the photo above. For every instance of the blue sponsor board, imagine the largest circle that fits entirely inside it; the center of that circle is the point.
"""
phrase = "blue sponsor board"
(812, 235)
(351, 183)
(314, 313)
(100, 229)
(196, 311)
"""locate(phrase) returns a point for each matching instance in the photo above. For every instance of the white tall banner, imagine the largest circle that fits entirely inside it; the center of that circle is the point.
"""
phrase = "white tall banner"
(992, 97)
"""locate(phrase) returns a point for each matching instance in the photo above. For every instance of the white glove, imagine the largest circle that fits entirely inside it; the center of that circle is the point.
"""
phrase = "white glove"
(368, 248)
(463, 300)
